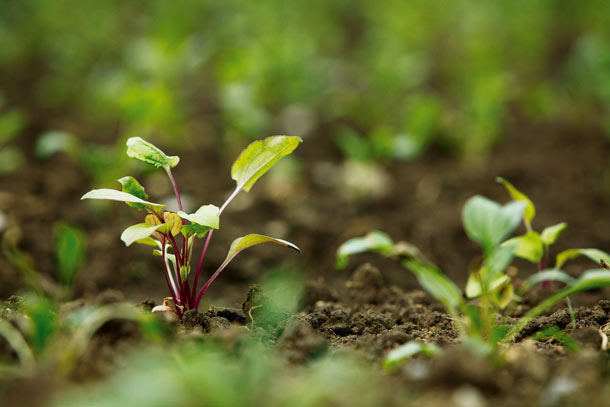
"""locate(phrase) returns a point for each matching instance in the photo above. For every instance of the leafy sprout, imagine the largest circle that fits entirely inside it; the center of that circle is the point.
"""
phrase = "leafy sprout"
(173, 234)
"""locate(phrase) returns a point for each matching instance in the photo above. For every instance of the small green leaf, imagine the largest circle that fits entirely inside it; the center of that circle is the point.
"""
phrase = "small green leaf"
(397, 356)
(550, 234)
(473, 285)
(133, 187)
(250, 240)
(259, 157)
(590, 280)
(114, 195)
(528, 247)
(488, 223)
(374, 241)
(144, 151)
(546, 275)
(70, 250)
(530, 209)
(496, 263)
(141, 231)
(207, 217)
(436, 284)
(184, 272)
(594, 254)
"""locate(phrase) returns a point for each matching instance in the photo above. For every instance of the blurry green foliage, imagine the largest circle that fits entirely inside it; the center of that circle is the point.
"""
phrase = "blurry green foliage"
(399, 74)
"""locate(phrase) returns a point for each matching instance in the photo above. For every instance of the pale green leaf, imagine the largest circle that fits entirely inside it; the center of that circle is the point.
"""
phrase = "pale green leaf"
(114, 195)
(473, 286)
(144, 151)
(206, 215)
(140, 232)
(70, 250)
(496, 263)
(550, 234)
(488, 223)
(436, 284)
(250, 240)
(594, 254)
(259, 157)
(528, 247)
(530, 209)
(133, 187)
(546, 275)
(397, 356)
(374, 241)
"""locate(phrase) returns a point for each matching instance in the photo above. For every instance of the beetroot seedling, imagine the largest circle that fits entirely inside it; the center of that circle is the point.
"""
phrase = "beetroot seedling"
(173, 234)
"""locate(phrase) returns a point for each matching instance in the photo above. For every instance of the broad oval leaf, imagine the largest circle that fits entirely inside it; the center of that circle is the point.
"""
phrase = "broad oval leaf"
(244, 242)
(529, 246)
(114, 195)
(375, 241)
(594, 254)
(140, 232)
(530, 209)
(259, 157)
(133, 187)
(398, 355)
(142, 150)
(488, 223)
(550, 234)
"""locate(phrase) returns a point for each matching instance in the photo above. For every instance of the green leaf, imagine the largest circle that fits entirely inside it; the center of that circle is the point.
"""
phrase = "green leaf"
(496, 263)
(397, 356)
(589, 280)
(141, 231)
(374, 241)
(144, 151)
(546, 275)
(530, 209)
(529, 246)
(436, 284)
(54, 142)
(133, 187)
(259, 157)
(550, 234)
(207, 217)
(488, 223)
(250, 240)
(594, 254)
(114, 195)
(70, 250)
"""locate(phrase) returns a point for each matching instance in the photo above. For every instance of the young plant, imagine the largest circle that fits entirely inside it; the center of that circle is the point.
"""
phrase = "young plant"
(173, 234)
(490, 290)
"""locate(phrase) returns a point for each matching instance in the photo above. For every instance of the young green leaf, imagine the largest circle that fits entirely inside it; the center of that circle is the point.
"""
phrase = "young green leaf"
(133, 187)
(530, 209)
(436, 284)
(144, 151)
(398, 355)
(594, 254)
(589, 280)
(250, 240)
(374, 241)
(141, 231)
(207, 216)
(114, 195)
(551, 233)
(70, 250)
(529, 246)
(546, 275)
(495, 264)
(259, 157)
(488, 223)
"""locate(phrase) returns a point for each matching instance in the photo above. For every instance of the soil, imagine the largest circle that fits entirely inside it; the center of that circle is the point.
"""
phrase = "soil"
(372, 306)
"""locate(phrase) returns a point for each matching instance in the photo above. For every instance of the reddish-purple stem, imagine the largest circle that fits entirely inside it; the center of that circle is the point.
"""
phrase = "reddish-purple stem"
(173, 181)
(205, 249)
(171, 290)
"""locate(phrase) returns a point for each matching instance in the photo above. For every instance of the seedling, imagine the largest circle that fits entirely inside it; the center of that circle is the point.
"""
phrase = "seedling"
(173, 234)
(490, 289)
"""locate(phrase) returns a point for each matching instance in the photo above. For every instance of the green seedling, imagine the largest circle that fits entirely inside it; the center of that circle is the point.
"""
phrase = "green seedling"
(45, 337)
(489, 224)
(173, 234)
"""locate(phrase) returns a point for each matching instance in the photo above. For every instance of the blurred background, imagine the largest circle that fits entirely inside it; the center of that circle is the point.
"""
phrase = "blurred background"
(406, 109)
